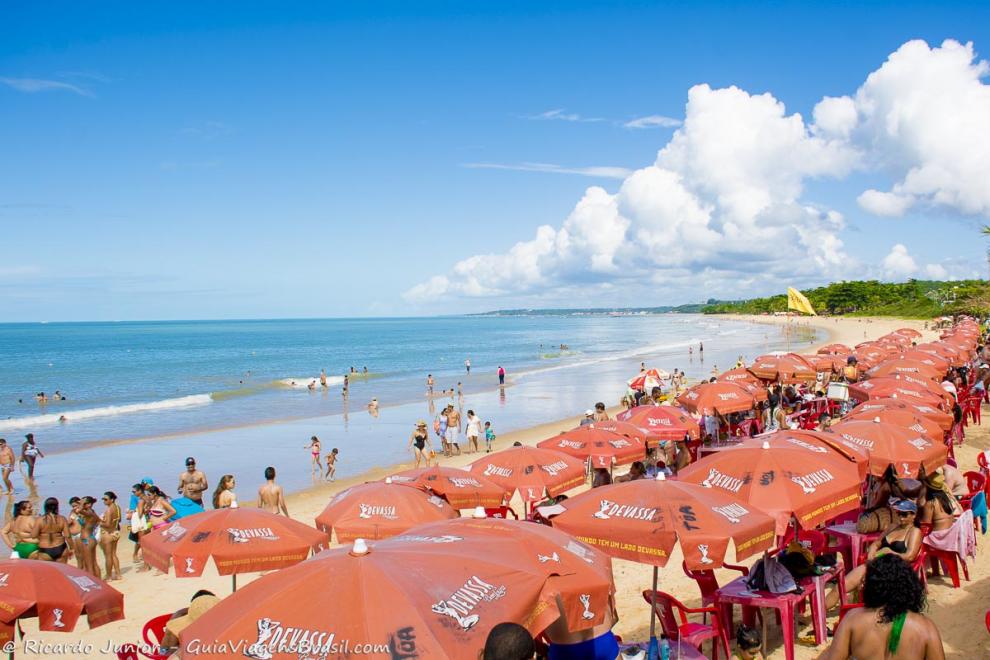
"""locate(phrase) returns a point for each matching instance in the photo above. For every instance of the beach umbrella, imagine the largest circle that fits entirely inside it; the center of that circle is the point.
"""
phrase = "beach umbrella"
(913, 382)
(956, 355)
(434, 592)
(720, 397)
(380, 509)
(185, 507)
(647, 380)
(57, 594)
(661, 423)
(739, 375)
(908, 404)
(239, 540)
(885, 387)
(899, 366)
(899, 417)
(620, 426)
(532, 471)
(781, 479)
(889, 444)
(910, 333)
(931, 360)
(786, 368)
(834, 349)
(601, 447)
(460, 488)
(821, 442)
(831, 362)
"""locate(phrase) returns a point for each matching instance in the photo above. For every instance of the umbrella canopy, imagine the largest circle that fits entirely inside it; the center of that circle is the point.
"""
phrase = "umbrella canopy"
(739, 375)
(661, 423)
(239, 541)
(782, 479)
(647, 380)
(830, 362)
(910, 333)
(933, 361)
(909, 404)
(460, 488)
(956, 355)
(58, 594)
(724, 398)
(825, 443)
(380, 509)
(899, 417)
(885, 387)
(621, 427)
(603, 448)
(642, 520)
(787, 368)
(834, 349)
(433, 593)
(532, 471)
(903, 366)
(907, 450)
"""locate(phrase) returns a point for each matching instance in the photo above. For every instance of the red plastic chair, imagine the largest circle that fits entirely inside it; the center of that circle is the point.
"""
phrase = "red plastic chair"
(501, 512)
(950, 562)
(694, 634)
(975, 482)
(919, 565)
(988, 620)
(153, 633)
(708, 583)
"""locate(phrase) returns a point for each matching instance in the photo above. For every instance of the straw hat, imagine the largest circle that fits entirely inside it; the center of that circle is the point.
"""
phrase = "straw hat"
(197, 608)
(936, 481)
(420, 423)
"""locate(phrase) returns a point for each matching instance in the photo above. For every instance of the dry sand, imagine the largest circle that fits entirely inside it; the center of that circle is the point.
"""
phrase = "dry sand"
(959, 613)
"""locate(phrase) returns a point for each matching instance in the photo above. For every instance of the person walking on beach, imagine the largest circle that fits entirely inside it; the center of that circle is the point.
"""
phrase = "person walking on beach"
(454, 429)
(192, 482)
(440, 428)
(331, 465)
(224, 496)
(30, 453)
(316, 467)
(467, 366)
(489, 437)
(346, 383)
(270, 496)
(6, 465)
(419, 442)
(473, 431)
(110, 535)
(429, 384)
(501, 375)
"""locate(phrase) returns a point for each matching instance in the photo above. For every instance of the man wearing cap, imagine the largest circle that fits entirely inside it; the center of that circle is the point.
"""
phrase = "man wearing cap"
(192, 482)
(589, 417)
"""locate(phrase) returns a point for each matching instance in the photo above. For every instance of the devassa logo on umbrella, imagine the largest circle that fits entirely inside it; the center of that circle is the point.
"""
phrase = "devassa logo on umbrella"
(460, 605)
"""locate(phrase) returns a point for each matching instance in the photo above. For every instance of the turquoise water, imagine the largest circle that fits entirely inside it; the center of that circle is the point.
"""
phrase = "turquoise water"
(220, 389)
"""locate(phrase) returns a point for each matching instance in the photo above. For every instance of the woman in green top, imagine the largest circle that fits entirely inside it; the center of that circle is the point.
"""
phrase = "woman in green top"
(21, 532)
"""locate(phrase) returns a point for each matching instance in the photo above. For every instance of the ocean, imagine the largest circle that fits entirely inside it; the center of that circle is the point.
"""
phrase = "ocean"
(139, 396)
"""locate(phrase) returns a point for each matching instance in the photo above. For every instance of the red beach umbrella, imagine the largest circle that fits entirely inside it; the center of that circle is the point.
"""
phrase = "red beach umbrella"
(903, 366)
(738, 376)
(532, 471)
(907, 404)
(880, 388)
(821, 442)
(910, 333)
(788, 368)
(380, 509)
(834, 349)
(724, 398)
(907, 450)
(932, 360)
(461, 489)
(603, 448)
(661, 423)
(619, 426)
(898, 417)
(435, 592)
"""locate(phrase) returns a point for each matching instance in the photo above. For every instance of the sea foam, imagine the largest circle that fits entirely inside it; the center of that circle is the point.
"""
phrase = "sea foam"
(106, 411)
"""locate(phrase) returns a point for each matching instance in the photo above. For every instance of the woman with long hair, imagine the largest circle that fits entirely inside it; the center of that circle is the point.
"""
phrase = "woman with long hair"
(90, 522)
(21, 531)
(53, 535)
(224, 496)
(110, 534)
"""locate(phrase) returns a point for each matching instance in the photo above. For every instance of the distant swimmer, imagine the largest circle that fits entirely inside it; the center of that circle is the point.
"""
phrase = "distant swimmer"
(59, 396)
(353, 370)
(311, 386)
(270, 496)
(701, 347)
(346, 383)
(41, 397)
(467, 365)
(373, 407)
(460, 394)
(501, 375)
(331, 465)
(366, 370)
(323, 377)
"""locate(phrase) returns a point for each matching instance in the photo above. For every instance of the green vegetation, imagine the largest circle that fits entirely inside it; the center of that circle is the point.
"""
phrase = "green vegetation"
(911, 299)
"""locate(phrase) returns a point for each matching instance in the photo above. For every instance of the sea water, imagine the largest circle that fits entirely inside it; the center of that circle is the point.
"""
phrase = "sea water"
(140, 396)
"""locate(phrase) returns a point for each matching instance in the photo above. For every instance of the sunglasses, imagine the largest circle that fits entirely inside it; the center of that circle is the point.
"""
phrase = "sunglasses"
(905, 514)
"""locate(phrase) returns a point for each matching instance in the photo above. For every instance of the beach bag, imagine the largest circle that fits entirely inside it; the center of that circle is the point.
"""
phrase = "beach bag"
(798, 559)
(138, 523)
(874, 521)
(768, 574)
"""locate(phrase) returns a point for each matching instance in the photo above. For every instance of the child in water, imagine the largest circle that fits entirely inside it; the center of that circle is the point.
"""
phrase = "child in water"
(489, 437)
(331, 465)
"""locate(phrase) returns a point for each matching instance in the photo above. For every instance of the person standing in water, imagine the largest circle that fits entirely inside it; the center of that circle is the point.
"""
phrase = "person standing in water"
(467, 366)
(6, 465)
(316, 467)
(30, 453)
(501, 375)
(331, 465)
(270, 496)
(429, 384)
(323, 378)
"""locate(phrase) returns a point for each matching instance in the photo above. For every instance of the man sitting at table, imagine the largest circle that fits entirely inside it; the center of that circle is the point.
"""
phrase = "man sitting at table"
(890, 623)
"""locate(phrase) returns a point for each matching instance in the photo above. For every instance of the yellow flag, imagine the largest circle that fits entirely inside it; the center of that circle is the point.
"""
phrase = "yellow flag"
(797, 301)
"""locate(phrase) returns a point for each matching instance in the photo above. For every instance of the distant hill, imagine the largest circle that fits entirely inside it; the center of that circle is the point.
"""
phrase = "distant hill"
(911, 299)
(694, 308)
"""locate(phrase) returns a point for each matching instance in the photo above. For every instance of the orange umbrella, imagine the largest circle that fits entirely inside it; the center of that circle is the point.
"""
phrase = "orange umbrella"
(879, 388)
(834, 349)
(955, 355)
(724, 398)
(603, 448)
(899, 417)
(783, 480)
(889, 444)
(619, 426)
(661, 423)
(642, 520)
(822, 442)
(738, 376)
(239, 541)
(58, 594)
(532, 471)
(899, 366)
(906, 404)
(435, 592)
(379, 509)
(460, 488)
(831, 362)
(787, 368)
(932, 360)
(910, 333)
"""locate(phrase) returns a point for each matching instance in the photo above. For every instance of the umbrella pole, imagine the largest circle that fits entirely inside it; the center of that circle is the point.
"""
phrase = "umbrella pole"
(234, 581)
(654, 651)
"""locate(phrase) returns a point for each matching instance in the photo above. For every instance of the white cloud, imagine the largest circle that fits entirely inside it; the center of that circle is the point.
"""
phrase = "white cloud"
(936, 272)
(34, 85)
(898, 264)
(560, 114)
(885, 203)
(653, 121)
(601, 171)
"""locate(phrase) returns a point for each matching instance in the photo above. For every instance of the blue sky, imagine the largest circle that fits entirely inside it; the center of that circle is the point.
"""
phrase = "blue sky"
(229, 160)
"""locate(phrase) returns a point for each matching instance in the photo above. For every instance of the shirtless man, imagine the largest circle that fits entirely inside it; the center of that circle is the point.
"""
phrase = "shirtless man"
(954, 480)
(6, 465)
(889, 624)
(323, 378)
(429, 384)
(30, 453)
(192, 482)
(270, 496)
(454, 428)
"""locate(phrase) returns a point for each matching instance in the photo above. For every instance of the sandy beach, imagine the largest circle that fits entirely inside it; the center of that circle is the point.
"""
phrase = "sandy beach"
(957, 612)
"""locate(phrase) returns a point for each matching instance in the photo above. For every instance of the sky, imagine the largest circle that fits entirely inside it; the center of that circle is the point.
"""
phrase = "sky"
(263, 160)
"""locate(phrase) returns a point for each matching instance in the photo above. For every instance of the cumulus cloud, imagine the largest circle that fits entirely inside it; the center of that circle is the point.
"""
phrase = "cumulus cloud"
(653, 121)
(885, 203)
(898, 264)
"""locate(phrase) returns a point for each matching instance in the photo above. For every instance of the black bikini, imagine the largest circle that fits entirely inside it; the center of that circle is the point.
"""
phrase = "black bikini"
(900, 547)
(56, 552)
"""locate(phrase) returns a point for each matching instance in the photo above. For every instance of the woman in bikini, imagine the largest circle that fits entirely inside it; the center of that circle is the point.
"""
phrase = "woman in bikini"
(89, 536)
(155, 507)
(419, 442)
(224, 496)
(53, 537)
(21, 531)
(75, 531)
(110, 534)
(316, 468)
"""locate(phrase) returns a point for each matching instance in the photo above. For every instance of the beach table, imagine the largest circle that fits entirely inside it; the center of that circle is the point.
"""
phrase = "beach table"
(737, 593)
(681, 650)
(857, 541)
(814, 587)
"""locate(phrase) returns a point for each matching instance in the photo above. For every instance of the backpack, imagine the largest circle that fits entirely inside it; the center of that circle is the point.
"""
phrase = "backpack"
(768, 574)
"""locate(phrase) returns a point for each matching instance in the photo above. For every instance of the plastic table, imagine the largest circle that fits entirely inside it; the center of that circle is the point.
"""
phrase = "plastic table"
(737, 593)
(814, 587)
(857, 541)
